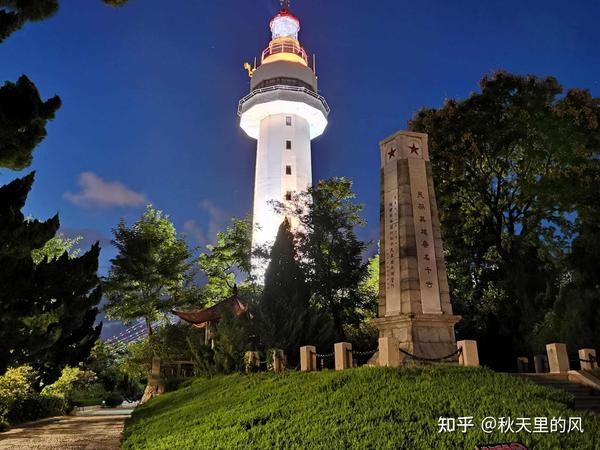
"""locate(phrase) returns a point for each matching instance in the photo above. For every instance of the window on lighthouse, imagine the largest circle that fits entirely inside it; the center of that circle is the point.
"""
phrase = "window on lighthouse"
(288, 195)
(288, 121)
(288, 145)
(288, 170)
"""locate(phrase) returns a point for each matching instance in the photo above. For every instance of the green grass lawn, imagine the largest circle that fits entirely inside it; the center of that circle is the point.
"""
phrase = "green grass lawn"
(358, 408)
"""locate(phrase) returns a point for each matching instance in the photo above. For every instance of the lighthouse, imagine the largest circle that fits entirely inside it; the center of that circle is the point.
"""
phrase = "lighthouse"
(284, 113)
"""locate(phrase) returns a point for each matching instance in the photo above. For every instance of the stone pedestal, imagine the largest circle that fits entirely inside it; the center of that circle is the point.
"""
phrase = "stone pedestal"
(423, 335)
(278, 361)
(388, 352)
(414, 299)
(308, 358)
(343, 355)
(252, 361)
(558, 359)
(522, 364)
(469, 355)
(587, 356)
(540, 364)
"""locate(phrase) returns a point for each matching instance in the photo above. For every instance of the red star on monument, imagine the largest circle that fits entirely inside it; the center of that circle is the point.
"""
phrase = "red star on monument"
(391, 153)
(414, 149)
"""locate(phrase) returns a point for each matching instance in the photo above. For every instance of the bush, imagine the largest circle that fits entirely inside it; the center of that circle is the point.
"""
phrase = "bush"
(367, 407)
(20, 403)
(113, 400)
(89, 396)
(71, 379)
(36, 406)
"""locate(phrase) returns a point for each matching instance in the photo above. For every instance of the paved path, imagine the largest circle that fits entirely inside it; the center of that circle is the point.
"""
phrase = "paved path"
(97, 432)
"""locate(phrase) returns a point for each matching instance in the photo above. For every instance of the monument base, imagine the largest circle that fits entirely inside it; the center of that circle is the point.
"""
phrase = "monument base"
(422, 335)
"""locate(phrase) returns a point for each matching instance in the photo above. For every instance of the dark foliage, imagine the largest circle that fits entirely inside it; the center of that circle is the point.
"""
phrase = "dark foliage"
(15, 13)
(330, 253)
(284, 317)
(511, 164)
(47, 311)
(23, 118)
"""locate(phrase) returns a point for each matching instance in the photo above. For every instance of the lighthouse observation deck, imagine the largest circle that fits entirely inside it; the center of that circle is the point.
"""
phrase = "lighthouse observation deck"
(287, 47)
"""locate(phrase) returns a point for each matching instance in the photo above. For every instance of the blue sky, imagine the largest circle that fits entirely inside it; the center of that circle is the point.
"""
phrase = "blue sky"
(150, 93)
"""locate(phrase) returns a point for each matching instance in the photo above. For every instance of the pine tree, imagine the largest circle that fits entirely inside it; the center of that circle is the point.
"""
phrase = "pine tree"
(285, 319)
(47, 308)
(331, 253)
(47, 311)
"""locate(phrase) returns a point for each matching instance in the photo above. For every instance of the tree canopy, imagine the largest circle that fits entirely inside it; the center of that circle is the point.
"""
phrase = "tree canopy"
(330, 253)
(15, 13)
(23, 118)
(513, 165)
(47, 311)
(230, 256)
(55, 248)
(148, 271)
(284, 318)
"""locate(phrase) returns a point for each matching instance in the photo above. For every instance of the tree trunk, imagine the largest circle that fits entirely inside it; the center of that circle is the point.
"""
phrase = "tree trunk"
(148, 326)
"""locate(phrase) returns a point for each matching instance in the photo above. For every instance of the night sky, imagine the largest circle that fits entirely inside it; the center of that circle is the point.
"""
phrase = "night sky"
(150, 94)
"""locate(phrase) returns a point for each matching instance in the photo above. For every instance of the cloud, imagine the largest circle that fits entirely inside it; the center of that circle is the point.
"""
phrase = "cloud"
(217, 220)
(194, 230)
(97, 192)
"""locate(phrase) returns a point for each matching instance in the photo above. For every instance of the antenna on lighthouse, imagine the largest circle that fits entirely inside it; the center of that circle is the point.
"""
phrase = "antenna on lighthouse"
(285, 4)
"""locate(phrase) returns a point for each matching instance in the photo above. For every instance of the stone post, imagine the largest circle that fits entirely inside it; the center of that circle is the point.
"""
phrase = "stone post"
(540, 364)
(469, 355)
(156, 385)
(308, 358)
(522, 364)
(389, 352)
(343, 355)
(278, 360)
(558, 359)
(252, 361)
(587, 356)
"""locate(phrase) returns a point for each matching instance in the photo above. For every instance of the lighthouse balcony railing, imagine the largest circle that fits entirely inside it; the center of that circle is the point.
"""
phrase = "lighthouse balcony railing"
(282, 87)
(284, 47)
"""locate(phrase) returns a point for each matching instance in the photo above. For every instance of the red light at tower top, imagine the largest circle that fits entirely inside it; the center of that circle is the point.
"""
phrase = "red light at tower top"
(285, 24)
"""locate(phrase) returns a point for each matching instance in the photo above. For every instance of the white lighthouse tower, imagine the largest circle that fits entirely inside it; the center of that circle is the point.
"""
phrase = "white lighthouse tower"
(284, 112)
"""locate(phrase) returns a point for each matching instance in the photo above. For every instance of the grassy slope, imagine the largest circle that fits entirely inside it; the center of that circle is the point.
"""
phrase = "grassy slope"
(360, 408)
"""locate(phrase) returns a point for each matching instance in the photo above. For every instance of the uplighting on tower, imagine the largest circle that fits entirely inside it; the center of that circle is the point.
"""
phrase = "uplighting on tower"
(283, 112)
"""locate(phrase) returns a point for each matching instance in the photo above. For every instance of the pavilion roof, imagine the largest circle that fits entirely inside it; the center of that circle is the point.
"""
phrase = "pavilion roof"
(235, 304)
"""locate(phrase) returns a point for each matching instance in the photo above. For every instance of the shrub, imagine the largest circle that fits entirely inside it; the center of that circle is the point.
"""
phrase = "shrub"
(88, 396)
(34, 407)
(70, 380)
(20, 403)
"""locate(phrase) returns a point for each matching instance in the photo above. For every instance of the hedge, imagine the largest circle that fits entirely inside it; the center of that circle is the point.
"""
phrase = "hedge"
(357, 408)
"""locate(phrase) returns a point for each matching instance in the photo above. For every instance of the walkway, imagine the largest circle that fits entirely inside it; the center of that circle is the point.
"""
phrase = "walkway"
(98, 430)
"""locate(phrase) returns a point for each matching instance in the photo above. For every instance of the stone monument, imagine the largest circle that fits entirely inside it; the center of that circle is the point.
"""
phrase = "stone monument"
(414, 300)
